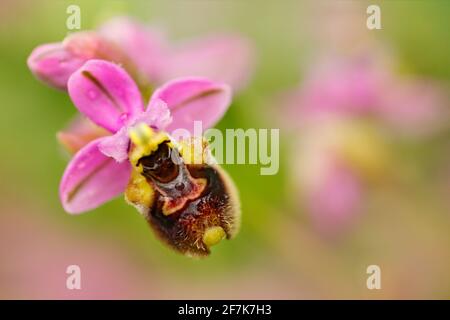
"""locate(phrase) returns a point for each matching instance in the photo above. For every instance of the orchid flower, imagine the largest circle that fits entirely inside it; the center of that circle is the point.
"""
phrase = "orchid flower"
(344, 113)
(107, 95)
(145, 54)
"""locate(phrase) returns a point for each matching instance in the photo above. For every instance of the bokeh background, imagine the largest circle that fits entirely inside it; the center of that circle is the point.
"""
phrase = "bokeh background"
(402, 224)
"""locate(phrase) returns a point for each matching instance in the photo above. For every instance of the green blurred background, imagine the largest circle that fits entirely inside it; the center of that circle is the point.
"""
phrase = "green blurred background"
(277, 253)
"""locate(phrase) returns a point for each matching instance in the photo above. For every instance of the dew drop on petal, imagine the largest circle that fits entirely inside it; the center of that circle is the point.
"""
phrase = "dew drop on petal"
(92, 94)
(124, 117)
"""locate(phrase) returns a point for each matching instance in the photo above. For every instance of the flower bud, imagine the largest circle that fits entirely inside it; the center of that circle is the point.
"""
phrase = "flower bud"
(53, 64)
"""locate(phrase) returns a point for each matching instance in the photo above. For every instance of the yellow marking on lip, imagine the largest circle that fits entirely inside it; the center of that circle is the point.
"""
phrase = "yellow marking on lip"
(213, 235)
(139, 191)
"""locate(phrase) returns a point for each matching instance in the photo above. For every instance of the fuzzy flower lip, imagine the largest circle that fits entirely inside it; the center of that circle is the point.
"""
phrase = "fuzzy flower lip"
(106, 94)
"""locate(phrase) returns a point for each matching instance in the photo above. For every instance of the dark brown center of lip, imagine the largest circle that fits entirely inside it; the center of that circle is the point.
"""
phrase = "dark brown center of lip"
(159, 165)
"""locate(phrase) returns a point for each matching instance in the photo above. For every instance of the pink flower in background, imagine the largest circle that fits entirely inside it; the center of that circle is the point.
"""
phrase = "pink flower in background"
(147, 48)
(146, 55)
(35, 268)
(343, 114)
(221, 57)
(334, 195)
(343, 191)
(366, 88)
(108, 96)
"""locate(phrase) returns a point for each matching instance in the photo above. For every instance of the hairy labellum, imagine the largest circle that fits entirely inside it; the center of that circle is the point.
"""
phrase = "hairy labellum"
(191, 206)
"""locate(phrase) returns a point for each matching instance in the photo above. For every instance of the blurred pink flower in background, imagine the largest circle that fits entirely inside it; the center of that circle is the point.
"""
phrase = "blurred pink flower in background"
(146, 55)
(227, 58)
(344, 116)
(36, 267)
(368, 89)
(110, 269)
(107, 95)
(336, 197)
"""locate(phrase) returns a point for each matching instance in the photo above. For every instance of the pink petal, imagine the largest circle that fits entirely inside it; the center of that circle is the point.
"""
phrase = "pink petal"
(341, 88)
(157, 115)
(145, 47)
(116, 146)
(79, 133)
(194, 99)
(226, 58)
(53, 64)
(91, 179)
(105, 93)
